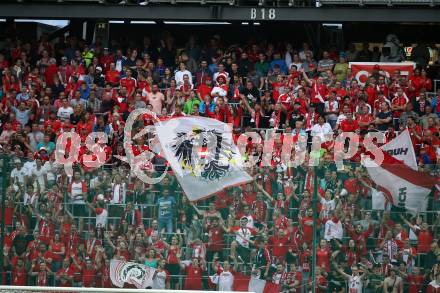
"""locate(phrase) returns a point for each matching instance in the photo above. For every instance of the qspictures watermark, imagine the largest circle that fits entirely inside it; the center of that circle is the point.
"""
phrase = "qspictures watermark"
(97, 158)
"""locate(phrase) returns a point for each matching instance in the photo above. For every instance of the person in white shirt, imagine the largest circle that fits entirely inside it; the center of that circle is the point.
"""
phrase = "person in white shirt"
(30, 164)
(225, 274)
(333, 229)
(178, 75)
(77, 189)
(18, 174)
(161, 277)
(118, 190)
(40, 174)
(65, 110)
(322, 129)
(356, 279)
(328, 204)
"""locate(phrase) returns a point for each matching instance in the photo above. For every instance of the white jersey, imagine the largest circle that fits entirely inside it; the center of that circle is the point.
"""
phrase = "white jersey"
(101, 217)
(225, 281)
(159, 280)
(355, 284)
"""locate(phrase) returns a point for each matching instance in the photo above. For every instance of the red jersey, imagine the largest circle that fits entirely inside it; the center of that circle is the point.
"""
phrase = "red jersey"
(323, 258)
(69, 272)
(47, 230)
(88, 276)
(112, 76)
(129, 83)
(321, 281)
(399, 101)
(307, 229)
(347, 126)
(289, 278)
(215, 242)
(204, 90)
(42, 278)
(371, 94)
(19, 276)
(193, 279)
(424, 241)
(172, 255)
(279, 246)
(415, 283)
(260, 209)
(319, 92)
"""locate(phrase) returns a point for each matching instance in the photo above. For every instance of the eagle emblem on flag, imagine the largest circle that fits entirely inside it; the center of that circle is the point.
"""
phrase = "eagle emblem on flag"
(204, 153)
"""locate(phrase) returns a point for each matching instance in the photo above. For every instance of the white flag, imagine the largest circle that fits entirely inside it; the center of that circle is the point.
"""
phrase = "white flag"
(402, 186)
(402, 149)
(132, 273)
(202, 154)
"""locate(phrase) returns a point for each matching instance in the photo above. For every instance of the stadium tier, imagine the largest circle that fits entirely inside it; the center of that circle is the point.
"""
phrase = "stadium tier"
(239, 155)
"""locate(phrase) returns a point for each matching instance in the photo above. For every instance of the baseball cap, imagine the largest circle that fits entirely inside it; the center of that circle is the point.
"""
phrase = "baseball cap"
(99, 68)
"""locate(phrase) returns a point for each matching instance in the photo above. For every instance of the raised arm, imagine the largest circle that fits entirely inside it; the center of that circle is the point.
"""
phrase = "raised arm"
(264, 191)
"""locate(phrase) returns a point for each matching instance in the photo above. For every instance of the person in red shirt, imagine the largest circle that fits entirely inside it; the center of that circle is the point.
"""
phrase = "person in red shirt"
(424, 235)
(129, 82)
(291, 280)
(415, 132)
(260, 207)
(215, 239)
(415, 280)
(307, 226)
(112, 76)
(319, 92)
(279, 245)
(398, 103)
(382, 86)
(371, 91)
(42, 272)
(19, 273)
(89, 274)
(323, 254)
(349, 124)
(106, 282)
(106, 60)
(321, 281)
(360, 237)
(205, 89)
(65, 275)
(58, 250)
(193, 271)
(46, 228)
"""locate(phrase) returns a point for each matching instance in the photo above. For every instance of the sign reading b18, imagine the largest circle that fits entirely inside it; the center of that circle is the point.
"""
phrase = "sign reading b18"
(263, 14)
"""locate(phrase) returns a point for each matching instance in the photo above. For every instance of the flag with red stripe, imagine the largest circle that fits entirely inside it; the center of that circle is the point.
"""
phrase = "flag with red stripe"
(405, 187)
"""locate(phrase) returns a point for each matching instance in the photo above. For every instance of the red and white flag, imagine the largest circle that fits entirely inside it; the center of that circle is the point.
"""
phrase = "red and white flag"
(402, 149)
(403, 186)
(245, 283)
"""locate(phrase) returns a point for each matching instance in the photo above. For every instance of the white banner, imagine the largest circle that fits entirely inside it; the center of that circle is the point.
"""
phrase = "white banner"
(402, 149)
(202, 154)
(132, 273)
(404, 194)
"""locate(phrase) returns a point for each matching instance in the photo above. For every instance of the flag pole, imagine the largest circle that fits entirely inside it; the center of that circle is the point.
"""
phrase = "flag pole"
(315, 211)
(5, 170)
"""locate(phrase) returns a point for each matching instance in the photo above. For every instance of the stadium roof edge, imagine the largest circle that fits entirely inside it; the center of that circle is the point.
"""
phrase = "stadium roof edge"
(219, 13)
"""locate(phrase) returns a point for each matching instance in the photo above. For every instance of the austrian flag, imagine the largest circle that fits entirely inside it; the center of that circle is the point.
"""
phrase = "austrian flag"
(202, 154)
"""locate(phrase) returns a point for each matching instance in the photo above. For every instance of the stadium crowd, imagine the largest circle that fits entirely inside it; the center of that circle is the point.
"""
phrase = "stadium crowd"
(64, 230)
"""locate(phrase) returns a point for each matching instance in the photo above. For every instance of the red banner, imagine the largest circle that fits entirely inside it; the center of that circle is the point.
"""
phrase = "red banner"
(362, 70)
